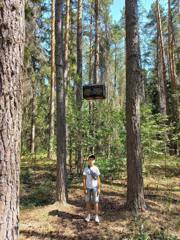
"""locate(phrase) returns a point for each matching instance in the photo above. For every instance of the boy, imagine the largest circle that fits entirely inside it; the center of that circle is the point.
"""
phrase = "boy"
(91, 186)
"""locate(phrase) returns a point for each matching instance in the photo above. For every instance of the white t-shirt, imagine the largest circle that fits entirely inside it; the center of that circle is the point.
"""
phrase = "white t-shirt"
(90, 182)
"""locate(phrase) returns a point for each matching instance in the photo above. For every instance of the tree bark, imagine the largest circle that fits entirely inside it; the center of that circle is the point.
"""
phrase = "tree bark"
(33, 115)
(70, 154)
(12, 30)
(52, 98)
(96, 57)
(115, 67)
(66, 64)
(91, 120)
(135, 191)
(172, 65)
(72, 54)
(90, 46)
(174, 146)
(61, 187)
(79, 86)
(66, 45)
(162, 80)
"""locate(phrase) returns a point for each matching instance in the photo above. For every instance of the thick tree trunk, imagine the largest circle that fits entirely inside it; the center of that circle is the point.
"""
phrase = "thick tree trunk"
(172, 65)
(52, 98)
(79, 85)
(135, 192)
(66, 64)
(162, 80)
(172, 73)
(11, 63)
(71, 53)
(61, 188)
(96, 57)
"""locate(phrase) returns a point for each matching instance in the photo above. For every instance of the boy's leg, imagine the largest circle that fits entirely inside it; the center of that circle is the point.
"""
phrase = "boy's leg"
(97, 212)
(96, 200)
(96, 204)
(88, 206)
(96, 208)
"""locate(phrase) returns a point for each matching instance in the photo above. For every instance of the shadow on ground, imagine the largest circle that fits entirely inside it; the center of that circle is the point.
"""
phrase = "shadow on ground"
(64, 215)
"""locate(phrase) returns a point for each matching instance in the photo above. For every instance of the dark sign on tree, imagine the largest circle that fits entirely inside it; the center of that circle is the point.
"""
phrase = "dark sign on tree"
(94, 91)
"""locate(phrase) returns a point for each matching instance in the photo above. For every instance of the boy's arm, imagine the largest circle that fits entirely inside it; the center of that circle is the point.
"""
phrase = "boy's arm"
(84, 183)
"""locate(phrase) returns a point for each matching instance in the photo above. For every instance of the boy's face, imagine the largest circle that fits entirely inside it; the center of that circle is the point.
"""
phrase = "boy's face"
(91, 161)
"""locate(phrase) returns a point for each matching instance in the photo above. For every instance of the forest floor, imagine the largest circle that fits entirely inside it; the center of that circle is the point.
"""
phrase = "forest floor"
(42, 219)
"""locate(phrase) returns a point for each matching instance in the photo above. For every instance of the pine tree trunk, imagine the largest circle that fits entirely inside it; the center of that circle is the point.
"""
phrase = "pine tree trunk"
(104, 55)
(33, 116)
(96, 76)
(172, 65)
(12, 25)
(66, 64)
(90, 46)
(172, 73)
(52, 98)
(70, 154)
(91, 131)
(71, 53)
(135, 192)
(115, 67)
(162, 80)
(61, 188)
(79, 85)
(96, 57)
(66, 43)
(142, 90)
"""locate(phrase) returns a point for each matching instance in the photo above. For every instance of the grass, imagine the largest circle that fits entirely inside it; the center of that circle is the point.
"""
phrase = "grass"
(43, 218)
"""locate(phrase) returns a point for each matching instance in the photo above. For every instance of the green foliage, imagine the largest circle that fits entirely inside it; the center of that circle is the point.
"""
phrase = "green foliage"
(159, 236)
(111, 168)
(108, 139)
(26, 176)
(143, 234)
(37, 181)
(39, 195)
(154, 130)
(37, 73)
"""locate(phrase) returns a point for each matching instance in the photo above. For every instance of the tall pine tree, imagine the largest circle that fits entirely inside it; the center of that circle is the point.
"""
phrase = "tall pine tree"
(11, 63)
(135, 190)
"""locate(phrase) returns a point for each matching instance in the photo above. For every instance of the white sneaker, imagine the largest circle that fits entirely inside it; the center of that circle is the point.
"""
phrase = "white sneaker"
(88, 218)
(97, 219)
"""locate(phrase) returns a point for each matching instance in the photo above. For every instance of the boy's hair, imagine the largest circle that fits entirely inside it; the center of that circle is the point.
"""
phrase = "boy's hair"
(92, 156)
